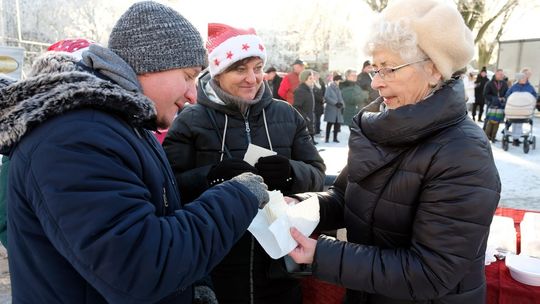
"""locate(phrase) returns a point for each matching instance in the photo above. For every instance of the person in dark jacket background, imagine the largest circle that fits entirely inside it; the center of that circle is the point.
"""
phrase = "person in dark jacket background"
(207, 143)
(479, 99)
(420, 188)
(304, 100)
(353, 96)
(495, 92)
(319, 88)
(94, 212)
(364, 81)
(274, 81)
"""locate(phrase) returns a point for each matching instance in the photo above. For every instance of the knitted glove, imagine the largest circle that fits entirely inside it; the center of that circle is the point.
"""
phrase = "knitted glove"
(228, 169)
(276, 171)
(255, 184)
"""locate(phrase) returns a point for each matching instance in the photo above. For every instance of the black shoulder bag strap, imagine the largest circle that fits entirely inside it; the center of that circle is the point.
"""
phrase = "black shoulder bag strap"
(212, 117)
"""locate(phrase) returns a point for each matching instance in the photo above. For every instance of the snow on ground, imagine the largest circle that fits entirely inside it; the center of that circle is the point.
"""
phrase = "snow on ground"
(519, 172)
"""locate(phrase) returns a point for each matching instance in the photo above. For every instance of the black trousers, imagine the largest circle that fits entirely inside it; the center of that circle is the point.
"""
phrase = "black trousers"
(336, 130)
(480, 107)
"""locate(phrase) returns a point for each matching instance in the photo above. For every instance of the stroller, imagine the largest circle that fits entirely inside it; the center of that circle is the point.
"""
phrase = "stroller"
(519, 109)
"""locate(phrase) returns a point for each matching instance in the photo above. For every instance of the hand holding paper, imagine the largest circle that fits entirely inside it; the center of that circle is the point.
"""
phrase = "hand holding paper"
(271, 226)
(304, 252)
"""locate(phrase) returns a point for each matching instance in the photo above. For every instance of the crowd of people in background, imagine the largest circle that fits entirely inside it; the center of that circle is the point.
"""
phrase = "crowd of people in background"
(489, 96)
(336, 100)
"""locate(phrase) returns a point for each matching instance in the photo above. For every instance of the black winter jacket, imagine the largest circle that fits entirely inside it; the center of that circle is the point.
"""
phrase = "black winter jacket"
(304, 102)
(417, 199)
(193, 146)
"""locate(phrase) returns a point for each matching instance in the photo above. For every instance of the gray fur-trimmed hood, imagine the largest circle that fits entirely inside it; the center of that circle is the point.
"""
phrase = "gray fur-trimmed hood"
(57, 85)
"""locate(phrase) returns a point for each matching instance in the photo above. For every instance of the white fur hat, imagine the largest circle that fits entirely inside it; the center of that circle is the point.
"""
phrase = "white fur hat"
(440, 30)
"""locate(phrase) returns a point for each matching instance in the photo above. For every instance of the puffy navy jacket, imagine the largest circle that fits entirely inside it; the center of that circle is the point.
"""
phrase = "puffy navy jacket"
(94, 212)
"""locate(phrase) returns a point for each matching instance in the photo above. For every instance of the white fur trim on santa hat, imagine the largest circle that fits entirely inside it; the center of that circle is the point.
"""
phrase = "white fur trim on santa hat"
(440, 31)
(235, 49)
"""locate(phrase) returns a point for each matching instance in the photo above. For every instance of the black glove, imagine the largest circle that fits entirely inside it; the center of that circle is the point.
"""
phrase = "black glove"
(228, 169)
(276, 172)
(339, 105)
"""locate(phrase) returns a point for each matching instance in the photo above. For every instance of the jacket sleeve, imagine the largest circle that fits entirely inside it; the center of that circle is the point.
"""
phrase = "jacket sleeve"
(284, 87)
(449, 233)
(181, 153)
(330, 203)
(101, 219)
(307, 165)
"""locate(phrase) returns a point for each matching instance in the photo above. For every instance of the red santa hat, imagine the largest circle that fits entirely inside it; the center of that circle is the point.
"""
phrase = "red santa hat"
(75, 47)
(227, 45)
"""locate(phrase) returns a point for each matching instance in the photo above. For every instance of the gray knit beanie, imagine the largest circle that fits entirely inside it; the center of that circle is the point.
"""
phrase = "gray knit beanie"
(152, 37)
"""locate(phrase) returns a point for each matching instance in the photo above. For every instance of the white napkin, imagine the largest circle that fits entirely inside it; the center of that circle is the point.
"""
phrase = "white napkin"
(275, 237)
(255, 152)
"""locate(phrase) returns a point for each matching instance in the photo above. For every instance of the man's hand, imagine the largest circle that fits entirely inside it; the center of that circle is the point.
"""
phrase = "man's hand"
(304, 252)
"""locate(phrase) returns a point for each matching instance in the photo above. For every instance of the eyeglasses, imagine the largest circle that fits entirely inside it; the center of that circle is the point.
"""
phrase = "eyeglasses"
(389, 72)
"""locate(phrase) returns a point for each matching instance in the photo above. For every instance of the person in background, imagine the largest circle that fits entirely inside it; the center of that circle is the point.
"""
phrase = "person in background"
(494, 94)
(522, 85)
(354, 97)
(479, 98)
(274, 81)
(364, 81)
(291, 81)
(304, 100)
(94, 212)
(420, 188)
(319, 89)
(207, 143)
(333, 111)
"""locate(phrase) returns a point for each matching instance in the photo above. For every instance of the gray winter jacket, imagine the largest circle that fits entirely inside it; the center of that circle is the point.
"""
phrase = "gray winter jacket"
(332, 97)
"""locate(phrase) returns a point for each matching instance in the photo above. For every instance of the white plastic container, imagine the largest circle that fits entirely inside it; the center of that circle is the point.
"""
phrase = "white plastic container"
(502, 235)
(524, 269)
(530, 234)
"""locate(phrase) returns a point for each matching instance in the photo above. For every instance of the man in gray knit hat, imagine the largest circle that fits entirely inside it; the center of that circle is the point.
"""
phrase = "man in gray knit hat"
(94, 212)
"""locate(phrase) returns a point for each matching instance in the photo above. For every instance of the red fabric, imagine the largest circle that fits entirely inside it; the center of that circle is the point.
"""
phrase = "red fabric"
(218, 33)
(70, 45)
(160, 135)
(501, 288)
(287, 87)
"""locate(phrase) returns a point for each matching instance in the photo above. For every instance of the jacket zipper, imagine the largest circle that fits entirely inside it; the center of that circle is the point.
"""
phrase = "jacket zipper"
(248, 129)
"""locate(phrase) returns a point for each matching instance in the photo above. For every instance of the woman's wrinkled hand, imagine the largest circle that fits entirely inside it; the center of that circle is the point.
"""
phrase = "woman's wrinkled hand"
(304, 252)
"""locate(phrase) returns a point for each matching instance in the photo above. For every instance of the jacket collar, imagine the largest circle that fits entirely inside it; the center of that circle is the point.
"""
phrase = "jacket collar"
(28, 103)
(379, 138)
(207, 100)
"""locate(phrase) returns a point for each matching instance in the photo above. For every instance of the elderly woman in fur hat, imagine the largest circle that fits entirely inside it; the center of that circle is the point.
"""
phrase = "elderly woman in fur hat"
(420, 187)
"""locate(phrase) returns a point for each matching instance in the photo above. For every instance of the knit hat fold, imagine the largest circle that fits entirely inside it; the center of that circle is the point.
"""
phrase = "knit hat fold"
(152, 37)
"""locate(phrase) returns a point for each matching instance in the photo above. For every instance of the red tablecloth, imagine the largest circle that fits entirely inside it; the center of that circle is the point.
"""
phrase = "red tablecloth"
(501, 288)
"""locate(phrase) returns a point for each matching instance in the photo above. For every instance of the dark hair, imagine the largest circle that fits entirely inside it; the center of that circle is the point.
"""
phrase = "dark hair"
(270, 70)
(337, 77)
(235, 65)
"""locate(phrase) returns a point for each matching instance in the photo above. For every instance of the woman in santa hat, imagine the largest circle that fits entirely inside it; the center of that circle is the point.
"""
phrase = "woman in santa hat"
(207, 143)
